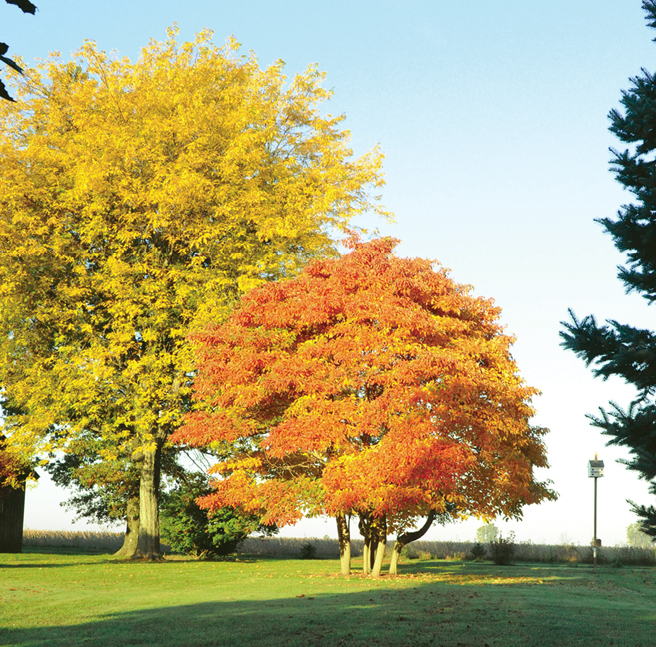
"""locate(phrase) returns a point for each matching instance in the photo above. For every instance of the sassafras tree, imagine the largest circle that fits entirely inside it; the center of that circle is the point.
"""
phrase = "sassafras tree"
(136, 200)
(370, 385)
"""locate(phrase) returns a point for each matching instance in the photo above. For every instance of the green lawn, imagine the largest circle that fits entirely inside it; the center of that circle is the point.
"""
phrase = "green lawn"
(69, 600)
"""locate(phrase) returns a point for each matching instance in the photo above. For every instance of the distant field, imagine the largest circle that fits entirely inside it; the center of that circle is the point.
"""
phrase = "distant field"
(70, 600)
(103, 541)
(328, 548)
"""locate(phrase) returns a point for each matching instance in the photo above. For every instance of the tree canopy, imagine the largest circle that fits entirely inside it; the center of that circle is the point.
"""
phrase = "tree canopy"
(618, 348)
(487, 533)
(370, 385)
(13, 470)
(138, 200)
(635, 536)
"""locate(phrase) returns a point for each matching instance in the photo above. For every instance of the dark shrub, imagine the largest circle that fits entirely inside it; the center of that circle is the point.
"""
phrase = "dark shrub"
(502, 550)
(308, 551)
(190, 530)
(477, 552)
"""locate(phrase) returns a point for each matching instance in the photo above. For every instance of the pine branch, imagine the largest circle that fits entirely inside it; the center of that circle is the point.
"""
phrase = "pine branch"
(634, 429)
(649, 6)
(24, 5)
(3, 92)
(3, 50)
(647, 516)
(614, 349)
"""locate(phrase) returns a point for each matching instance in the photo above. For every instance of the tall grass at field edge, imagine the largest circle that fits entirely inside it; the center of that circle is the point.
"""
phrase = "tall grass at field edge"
(325, 548)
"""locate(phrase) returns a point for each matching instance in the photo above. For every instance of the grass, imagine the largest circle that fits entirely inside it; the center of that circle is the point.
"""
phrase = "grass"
(72, 600)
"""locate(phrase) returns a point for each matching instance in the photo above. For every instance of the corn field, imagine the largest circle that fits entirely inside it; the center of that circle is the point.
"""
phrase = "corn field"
(460, 551)
(87, 540)
(104, 541)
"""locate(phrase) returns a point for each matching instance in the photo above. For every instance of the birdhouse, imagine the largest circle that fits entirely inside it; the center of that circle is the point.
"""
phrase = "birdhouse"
(595, 468)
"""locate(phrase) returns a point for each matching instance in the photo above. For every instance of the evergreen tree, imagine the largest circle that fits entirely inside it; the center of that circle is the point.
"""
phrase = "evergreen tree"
(616, 348)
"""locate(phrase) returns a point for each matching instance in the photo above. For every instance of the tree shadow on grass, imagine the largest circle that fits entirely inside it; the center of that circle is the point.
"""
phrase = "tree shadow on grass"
(44, 563)
(41, 565)
(109, 558)
(429, 614)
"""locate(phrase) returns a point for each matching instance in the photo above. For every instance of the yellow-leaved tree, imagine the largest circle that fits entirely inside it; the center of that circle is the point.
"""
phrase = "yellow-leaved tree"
(137, 201)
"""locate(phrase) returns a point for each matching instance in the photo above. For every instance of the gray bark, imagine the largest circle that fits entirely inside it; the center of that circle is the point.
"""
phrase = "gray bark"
(148, 543)
(131, 530)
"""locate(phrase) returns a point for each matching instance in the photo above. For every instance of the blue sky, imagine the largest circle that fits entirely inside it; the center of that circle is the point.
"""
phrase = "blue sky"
(493, 119)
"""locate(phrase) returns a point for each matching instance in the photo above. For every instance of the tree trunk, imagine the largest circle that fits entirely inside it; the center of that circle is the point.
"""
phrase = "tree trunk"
(393, 567)
(365, 530)
(344, 535)
(381, 542)
(373, 544)
(148, 544)
(131, 530)
(404, 539)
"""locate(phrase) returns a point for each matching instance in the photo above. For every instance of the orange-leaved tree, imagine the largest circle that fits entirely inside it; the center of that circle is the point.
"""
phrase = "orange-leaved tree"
(370, 385)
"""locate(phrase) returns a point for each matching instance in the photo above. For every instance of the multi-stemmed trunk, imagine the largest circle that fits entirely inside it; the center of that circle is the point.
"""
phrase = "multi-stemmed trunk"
(407, 537)
(131, 538)
(374, 532)
(344, 536)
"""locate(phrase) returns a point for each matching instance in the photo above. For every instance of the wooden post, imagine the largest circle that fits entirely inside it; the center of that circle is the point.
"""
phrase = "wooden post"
(594, 548)
(595, 470)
